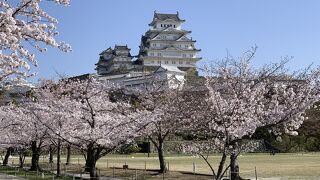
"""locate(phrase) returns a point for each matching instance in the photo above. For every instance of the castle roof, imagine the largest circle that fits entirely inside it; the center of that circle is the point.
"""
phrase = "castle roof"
(121, 47)
(167, 16)
(107, 51)
(149, 36)
(168, 68)
(164, 17)
(167, 30)
(164, 48)
(116, 47)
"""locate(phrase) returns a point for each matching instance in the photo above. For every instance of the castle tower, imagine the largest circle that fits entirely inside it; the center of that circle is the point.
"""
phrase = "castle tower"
(166, 43)
(114, 61)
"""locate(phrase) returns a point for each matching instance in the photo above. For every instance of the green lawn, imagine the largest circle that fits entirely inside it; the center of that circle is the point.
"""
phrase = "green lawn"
(31, 175)
(279, 166)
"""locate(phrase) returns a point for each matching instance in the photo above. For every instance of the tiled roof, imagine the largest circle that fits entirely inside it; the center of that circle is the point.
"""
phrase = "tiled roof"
(116, 47)
(168, 68)
(109, 51)
(120, 47)
(163, 17)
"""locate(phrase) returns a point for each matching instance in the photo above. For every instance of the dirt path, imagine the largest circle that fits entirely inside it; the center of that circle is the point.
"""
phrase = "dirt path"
(5, 176)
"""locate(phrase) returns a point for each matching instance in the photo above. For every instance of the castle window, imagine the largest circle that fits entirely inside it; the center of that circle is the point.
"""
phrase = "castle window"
(159, 62)
(173, 62)
(174, 25)
(186, 46)
(191, 55)
(161, 25)
(152, 54)
(159, 54)
(154, 45)
(162, 37)
(166, 62)
(184, 55)
(187, 62)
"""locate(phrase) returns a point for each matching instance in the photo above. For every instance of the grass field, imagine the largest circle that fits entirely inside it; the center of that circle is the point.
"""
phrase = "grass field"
(279, 166)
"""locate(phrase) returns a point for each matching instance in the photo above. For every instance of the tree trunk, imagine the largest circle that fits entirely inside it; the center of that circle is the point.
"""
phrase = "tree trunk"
(6, 157)
(50, 154)
(221, 166)
(58, 158)
(91, 161)
(163, 167)
(35, 156)
(22, 157)
(21, 160)
(68, 154)
(234, 167)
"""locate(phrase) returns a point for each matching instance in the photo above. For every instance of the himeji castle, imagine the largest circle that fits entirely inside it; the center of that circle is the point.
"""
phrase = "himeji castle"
(166, 43)
(166, 50)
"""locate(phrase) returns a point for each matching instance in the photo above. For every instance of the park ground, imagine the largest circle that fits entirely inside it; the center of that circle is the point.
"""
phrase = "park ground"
(281, 166)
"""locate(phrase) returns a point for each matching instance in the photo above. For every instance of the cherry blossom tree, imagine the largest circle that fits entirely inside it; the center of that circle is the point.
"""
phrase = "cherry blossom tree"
(43, 118)
(99, 124)
(79, 112)
(8, 138)
(167, 107)
(34, 131)
(164, 121)
(33, 116)
(24, 130)
(242, 99)
(22, 26)
(310, 129)
(59, 110)
(12, 93)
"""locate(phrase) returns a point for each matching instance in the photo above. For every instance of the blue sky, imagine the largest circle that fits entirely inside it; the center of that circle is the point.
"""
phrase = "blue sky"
(278, 28)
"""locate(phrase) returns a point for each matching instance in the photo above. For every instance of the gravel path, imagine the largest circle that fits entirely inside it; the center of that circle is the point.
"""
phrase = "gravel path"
(5, 176)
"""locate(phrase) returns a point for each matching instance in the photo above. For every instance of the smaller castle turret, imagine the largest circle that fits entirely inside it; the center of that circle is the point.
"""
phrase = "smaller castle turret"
(114, 61)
